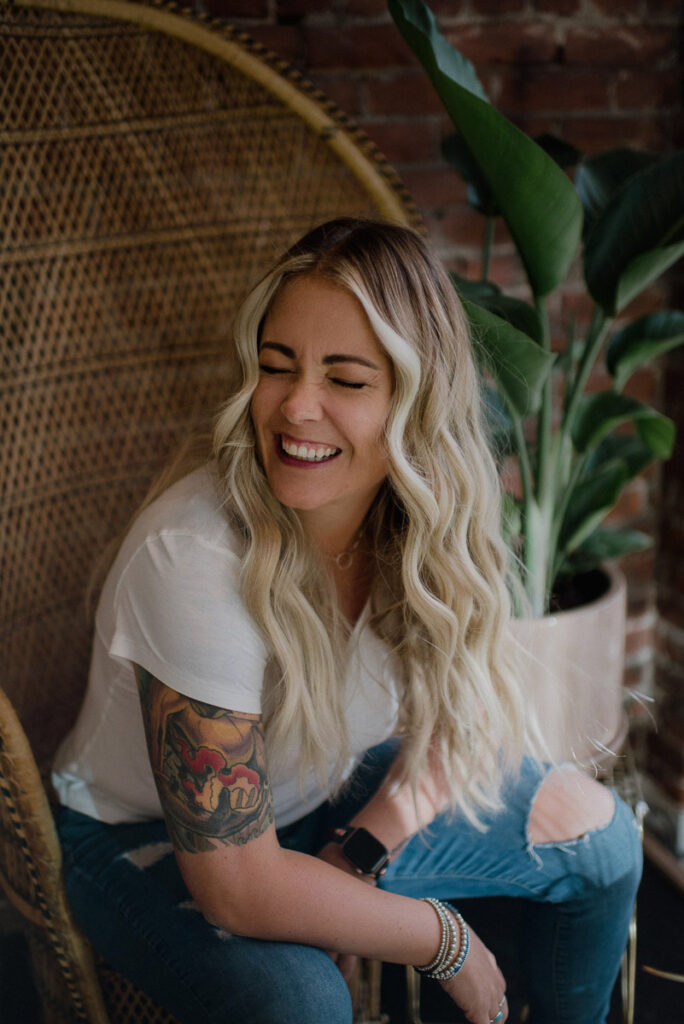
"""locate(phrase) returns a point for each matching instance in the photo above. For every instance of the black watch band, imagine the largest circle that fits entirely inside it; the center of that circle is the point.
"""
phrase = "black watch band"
(362, 850)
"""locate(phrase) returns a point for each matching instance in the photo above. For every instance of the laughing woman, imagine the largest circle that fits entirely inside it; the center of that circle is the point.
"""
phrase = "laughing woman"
(304, 731)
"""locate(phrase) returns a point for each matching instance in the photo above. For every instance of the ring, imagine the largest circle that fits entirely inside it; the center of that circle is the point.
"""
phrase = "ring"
(499, 1015)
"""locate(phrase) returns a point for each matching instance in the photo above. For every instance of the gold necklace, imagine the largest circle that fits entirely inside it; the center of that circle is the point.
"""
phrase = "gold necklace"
(345, 559)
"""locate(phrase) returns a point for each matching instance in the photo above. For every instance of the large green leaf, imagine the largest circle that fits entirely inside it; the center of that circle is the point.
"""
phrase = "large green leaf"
(536, 199)
(599, 414)
(516, 312)
(644, 270)
(638, 236)
(635, 454)
(517, 364)
(603, 544)
(599, 177)
(641, 341)
(590, 502)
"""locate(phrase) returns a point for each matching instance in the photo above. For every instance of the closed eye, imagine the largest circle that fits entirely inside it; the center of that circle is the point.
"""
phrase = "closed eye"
(348, 383)
(273, 369)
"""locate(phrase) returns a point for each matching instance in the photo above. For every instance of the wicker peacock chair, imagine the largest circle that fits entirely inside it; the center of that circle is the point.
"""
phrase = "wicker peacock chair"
(153, 164)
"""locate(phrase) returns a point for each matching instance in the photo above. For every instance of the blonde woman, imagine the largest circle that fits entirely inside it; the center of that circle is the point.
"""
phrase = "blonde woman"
(311, 629)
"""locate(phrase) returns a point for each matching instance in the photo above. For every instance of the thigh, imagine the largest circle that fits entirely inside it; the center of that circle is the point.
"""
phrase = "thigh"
(129, 898)
(454, 859)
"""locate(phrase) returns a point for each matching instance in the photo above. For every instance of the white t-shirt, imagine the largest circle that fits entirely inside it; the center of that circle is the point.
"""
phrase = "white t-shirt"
(172, 604)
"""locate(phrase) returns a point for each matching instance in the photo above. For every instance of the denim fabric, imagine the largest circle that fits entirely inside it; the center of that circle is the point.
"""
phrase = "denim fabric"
(129, 898)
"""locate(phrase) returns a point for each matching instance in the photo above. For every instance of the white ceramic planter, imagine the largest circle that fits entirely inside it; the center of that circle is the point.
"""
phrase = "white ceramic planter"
(573, 666)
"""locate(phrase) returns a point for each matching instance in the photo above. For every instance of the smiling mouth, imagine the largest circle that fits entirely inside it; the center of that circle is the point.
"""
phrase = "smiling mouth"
(307, 452)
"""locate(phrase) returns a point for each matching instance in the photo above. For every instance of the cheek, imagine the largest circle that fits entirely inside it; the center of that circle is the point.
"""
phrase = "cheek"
(259, 409)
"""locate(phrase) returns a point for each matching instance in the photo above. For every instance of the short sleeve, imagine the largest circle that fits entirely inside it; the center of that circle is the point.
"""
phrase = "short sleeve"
(178, 612)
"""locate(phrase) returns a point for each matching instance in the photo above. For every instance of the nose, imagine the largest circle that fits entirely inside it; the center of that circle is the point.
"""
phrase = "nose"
(302, 403)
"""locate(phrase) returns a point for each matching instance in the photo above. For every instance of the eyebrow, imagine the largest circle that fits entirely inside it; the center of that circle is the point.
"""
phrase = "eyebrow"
(327, 360)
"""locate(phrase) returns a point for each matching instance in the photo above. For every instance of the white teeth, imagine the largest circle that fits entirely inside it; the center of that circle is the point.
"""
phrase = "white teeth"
(301, 451)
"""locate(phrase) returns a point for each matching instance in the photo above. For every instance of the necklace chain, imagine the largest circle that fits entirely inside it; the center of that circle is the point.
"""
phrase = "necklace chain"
(345, 559)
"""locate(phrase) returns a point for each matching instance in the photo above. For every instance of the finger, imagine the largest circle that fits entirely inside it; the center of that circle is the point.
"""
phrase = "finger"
(500, 1015)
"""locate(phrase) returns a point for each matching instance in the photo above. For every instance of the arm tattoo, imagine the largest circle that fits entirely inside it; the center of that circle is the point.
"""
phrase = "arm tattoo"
(210, 768)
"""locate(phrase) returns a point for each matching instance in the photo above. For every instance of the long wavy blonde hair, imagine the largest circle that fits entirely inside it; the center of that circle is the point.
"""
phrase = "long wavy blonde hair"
(439, 598)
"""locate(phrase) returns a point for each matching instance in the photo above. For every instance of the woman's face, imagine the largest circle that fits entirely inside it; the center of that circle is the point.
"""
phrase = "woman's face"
(321, 402)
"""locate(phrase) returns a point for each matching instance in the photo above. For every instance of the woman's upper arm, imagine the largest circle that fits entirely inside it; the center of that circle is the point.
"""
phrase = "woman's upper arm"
(210, 769)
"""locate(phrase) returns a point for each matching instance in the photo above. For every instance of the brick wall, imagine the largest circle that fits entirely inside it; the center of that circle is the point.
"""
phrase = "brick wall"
(601, 74)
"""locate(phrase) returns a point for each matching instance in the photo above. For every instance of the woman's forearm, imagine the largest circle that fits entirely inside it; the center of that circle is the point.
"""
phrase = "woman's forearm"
(292, 897)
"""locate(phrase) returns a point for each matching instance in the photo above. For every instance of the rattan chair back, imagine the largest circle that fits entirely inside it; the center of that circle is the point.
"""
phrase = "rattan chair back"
(153, 164)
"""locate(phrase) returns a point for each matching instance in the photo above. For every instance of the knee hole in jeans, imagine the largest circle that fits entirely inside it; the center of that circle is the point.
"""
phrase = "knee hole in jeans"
(567, 805)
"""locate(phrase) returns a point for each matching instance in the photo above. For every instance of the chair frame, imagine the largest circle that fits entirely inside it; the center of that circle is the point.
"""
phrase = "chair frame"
(74, 984)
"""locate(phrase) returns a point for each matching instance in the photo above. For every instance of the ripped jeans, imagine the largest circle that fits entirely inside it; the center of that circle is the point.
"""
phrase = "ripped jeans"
(128, 896)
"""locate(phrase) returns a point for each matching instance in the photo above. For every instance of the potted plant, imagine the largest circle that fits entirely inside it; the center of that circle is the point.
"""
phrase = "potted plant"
(625, 210)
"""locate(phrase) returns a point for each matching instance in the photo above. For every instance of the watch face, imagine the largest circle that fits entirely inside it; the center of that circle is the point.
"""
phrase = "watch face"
(365, 852)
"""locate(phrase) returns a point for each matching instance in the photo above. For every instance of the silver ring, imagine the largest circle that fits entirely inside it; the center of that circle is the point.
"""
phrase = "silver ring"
(499, 1015)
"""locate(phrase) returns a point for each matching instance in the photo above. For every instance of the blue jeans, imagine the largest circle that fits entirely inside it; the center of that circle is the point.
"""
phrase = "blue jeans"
(129, 898)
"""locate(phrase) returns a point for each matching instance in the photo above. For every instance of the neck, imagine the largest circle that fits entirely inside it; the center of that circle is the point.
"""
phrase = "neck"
(334, 540)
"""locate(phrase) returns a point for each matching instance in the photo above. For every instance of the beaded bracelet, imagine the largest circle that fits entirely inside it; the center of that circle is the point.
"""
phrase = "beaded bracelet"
(448, 961)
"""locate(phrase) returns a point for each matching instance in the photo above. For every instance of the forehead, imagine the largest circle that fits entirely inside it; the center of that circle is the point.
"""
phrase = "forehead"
(313, 308)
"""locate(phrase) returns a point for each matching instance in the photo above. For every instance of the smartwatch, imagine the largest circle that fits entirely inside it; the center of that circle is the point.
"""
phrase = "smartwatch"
(362, 850)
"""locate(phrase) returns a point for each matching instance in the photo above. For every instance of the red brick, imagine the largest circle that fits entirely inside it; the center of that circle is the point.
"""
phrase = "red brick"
(464, 226)
(237, 8)
(500, 7)
(617, 8)
(403, 141)
(630, 504)
(527, 43)
(638, 567)
(444, 10)
(356, 46)
(592, 135)
(302, 8)
(560, 7)
(504, 268)
(644, 90)
(671, 646)
(665, 7)
(635, 677)
(341, 89)
(577, 308)
(366, 8)
(554, 88)
(648, 301)
(619, 46)
(669, 683)
(283, 40)
(643, 385)
(671, 607)
(404, 92)
(436, 186)
(671, 783)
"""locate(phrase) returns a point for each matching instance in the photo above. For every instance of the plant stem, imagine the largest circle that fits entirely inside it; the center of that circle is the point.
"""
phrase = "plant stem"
(592, 346)
(490, 225)
(545, 415)
(559, 515)
(539, 513)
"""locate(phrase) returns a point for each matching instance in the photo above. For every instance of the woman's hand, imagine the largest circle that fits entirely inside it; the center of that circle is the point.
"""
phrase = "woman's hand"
(479, 988)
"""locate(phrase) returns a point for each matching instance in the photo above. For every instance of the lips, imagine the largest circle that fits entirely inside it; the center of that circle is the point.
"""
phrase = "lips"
(305, 452)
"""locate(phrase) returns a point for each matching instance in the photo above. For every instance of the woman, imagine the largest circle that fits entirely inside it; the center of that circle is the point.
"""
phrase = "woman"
(315, 625)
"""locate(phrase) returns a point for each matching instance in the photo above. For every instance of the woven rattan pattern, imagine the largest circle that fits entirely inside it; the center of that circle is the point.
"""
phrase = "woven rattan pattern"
(146, 183)
(146, 186)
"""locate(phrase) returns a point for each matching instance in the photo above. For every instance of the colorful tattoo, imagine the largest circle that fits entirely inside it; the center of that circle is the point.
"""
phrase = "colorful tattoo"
(209, 765)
